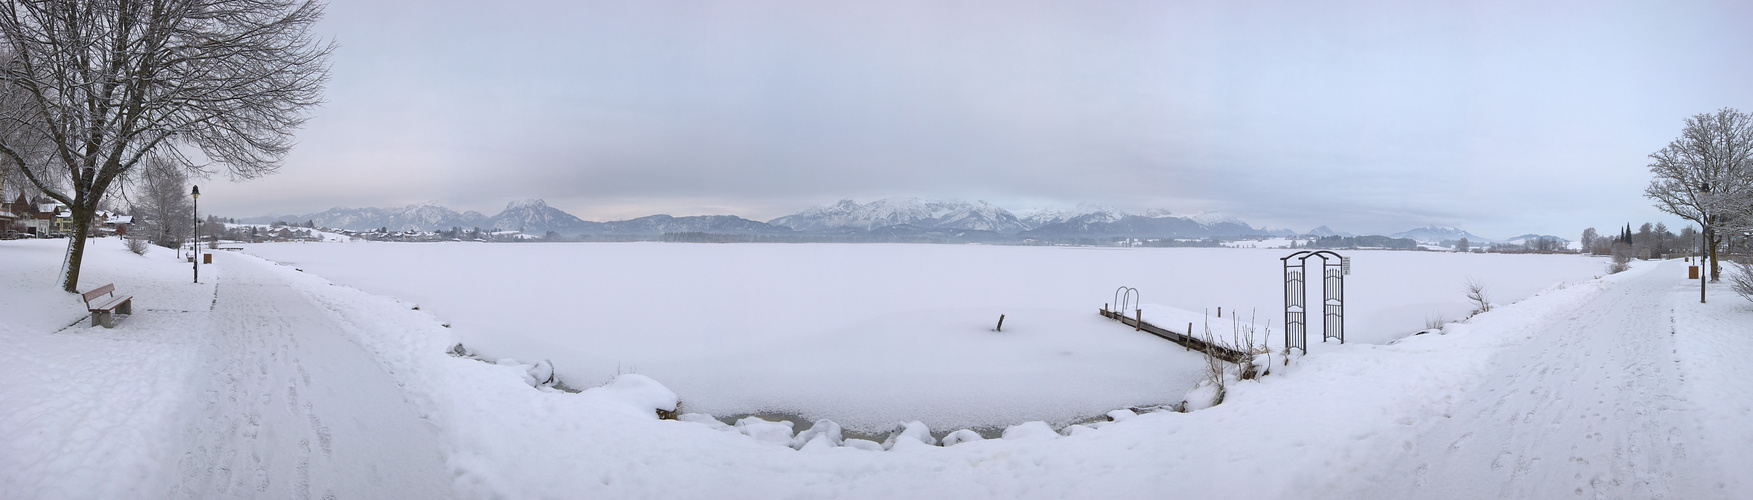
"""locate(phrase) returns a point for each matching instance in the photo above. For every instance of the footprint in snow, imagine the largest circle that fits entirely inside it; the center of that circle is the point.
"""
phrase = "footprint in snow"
(1456, 446)
(1497, 464)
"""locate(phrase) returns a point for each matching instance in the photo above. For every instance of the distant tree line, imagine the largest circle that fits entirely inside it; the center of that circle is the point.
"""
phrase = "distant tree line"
(1649, 241)
(1364, 242)
(1538, 244)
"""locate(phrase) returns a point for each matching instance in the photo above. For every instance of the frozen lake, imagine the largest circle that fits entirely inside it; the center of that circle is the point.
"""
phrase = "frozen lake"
(872, 334)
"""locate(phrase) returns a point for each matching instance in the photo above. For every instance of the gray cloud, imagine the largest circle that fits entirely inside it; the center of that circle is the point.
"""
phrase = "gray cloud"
(1501, 117)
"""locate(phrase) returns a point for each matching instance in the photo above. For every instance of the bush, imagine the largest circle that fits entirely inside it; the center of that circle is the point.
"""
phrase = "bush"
(136, 244)
(1741, 280)
(1621, 259)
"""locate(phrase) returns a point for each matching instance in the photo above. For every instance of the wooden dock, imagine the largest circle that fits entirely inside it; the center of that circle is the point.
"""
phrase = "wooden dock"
(1186, 340)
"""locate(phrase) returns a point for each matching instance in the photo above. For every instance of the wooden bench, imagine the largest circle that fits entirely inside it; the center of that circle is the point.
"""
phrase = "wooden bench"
(104, 309)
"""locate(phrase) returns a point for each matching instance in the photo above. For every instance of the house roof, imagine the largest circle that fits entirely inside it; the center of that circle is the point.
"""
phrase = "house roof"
(120, 219)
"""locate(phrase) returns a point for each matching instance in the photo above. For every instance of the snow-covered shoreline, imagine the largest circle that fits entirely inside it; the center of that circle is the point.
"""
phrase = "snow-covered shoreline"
(1320, 427)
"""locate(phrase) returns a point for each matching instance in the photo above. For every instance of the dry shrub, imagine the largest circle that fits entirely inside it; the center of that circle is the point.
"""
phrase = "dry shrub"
(1621, 259)
(1476, 292)
(1741, 280)
(136, 245)
(1243, 339)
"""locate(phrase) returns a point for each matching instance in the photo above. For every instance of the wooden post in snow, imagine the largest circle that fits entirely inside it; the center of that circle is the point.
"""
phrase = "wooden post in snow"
(1138, 322)
(1000, 324)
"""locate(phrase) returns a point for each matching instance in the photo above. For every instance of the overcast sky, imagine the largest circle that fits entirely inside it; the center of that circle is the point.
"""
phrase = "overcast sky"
(1499, 117)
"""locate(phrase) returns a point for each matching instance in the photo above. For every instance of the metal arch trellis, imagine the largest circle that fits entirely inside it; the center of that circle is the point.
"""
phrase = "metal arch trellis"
(1334, 268)
(1295, 314)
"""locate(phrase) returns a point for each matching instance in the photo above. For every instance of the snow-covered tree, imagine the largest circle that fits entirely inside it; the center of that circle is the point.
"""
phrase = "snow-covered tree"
(1706, 176)
(104, 84)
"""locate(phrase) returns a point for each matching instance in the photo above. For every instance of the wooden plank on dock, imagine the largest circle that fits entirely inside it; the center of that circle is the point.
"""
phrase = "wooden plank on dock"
(1188, 340)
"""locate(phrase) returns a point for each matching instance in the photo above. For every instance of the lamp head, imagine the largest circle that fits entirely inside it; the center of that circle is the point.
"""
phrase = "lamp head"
(196, 192)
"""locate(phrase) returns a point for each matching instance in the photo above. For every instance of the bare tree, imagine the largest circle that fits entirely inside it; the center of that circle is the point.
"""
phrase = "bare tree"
(1663, 241)
(1703, 176)
(1688, 239)
(162, 210)
(203, 83)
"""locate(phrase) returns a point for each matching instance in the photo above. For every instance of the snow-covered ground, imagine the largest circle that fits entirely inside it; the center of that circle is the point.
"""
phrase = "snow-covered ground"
(286, 385)
(868, 335)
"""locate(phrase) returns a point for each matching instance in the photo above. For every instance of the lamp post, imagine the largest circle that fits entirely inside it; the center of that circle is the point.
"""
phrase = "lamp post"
(195, 193)
(1705, 199)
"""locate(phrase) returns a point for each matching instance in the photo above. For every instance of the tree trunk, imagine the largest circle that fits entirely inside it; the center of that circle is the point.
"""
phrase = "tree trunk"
(76, 248)
(1716, 268)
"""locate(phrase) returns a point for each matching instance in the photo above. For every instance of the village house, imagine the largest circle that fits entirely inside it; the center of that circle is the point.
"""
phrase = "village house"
(63, 217)
(28, 218)
(6, 219)
(42, 217)
(115, 223)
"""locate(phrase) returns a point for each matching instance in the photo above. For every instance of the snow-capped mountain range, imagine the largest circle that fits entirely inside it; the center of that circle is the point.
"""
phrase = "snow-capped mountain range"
(885, 218)
(1085, 221)
(529, 216)
(1438, 234)
(848, 214)
(423, 216)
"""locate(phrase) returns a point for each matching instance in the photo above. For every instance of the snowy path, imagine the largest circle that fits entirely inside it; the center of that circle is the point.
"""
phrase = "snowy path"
(1592, 404)
(287, 407)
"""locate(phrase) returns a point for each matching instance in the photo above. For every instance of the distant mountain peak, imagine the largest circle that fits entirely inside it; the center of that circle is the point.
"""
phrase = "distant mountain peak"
(1325, 231)
(1433, 234)
(903, 211)
(1210, 218)
(527, 203)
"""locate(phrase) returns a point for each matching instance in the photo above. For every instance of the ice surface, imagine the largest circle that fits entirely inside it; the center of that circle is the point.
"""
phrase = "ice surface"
(868, 335)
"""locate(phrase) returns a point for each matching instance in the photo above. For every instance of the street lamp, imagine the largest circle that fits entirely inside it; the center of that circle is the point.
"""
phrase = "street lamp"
(1705, 200)
(196, 243)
